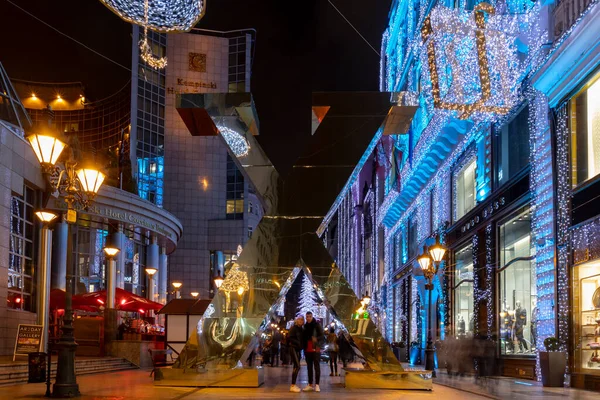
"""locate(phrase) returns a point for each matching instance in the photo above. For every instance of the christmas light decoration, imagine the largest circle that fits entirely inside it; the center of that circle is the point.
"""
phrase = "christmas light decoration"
(159, 15)
(237, 142)
(308, 299)
(146, 53)
(472, 60)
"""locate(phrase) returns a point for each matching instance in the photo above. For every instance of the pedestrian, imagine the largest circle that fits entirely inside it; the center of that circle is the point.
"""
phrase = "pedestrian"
(332, 348)
(313, 334)
(275, 348)
(294, 343)
(346, 353)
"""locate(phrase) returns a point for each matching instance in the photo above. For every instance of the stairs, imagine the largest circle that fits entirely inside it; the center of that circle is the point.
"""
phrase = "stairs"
(12, 373)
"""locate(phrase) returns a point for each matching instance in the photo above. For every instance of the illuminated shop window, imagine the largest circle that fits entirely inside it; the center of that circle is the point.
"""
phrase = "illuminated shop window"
(463, 292)
(586, 315)
(512, 147)
(585, 132)
(463, 193)
(517, 287)
(21, 265)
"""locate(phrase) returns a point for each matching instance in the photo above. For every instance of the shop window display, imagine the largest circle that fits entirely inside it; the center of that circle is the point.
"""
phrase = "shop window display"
(586, 286)
(463, 292)
(517, 290)
(585, 132)
(464, 189)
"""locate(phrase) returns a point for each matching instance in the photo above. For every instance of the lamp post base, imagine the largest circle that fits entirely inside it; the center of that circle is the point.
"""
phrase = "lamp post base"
(66, 383)
(429, 358)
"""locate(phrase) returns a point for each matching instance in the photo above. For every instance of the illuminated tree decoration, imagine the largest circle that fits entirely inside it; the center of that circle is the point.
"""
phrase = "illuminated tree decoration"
(308, 299)
(159, 15)
(472, 60)
(236, 141)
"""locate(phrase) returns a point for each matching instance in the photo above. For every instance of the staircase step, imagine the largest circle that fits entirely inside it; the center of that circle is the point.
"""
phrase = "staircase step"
(17, 373)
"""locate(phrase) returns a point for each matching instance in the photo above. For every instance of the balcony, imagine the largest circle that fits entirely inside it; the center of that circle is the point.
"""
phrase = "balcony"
(566, 13)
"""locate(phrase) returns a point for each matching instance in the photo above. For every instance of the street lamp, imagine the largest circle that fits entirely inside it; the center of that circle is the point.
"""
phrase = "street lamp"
(195, 295)
(177, 286)
(46, 218)
(78, 187)
(111, 277)
(218, 281)
(430, 262)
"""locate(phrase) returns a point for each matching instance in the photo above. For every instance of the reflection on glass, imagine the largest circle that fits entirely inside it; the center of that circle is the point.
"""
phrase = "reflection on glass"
(586, 279)
(585, 132)
(518, 312)
(464, 189)
(463, 292)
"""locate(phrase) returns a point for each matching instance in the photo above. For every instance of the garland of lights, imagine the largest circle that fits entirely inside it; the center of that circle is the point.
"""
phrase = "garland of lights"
(489, 280)
(145, 49)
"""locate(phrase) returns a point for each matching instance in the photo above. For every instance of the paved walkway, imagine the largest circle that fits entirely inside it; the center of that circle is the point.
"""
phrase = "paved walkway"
(510, 388)
(137, 385)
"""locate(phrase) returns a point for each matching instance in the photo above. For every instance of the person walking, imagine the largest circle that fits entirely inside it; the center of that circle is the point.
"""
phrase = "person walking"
(332, 348)
(294, 343)
(313, 334)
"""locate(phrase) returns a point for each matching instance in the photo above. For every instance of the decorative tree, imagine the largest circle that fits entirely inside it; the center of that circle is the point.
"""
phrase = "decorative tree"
(308, 298)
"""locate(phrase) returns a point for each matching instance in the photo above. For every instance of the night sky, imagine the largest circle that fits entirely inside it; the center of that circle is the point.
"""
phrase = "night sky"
(301, 47)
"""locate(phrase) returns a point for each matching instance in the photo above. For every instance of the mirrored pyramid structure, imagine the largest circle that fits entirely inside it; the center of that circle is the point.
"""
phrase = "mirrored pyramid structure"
(285, 241)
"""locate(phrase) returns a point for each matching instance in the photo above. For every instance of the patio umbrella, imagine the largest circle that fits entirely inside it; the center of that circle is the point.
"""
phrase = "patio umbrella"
(57, 301)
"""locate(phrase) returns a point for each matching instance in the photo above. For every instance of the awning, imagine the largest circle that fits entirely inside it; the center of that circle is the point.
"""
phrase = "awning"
(125, 301)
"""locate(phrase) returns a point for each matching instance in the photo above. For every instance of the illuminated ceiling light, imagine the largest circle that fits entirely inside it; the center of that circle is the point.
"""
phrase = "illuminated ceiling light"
(33, 96)
(236, 142)
(58, 97)
(159, 15)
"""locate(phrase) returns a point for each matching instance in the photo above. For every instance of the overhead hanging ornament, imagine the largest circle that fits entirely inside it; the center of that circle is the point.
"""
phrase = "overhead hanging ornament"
(145, 50)
(159, 15)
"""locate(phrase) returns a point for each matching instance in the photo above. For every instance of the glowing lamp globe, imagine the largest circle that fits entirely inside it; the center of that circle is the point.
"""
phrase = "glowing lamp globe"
(46, 216)
(219, 281)
(195, 294)
(151, 271)
(111, 251)
(159, 15)
(424, 261)
(47, 148)
(177, 285)
(91, 179)
(437, 252)
(366, 299)
(241, 290)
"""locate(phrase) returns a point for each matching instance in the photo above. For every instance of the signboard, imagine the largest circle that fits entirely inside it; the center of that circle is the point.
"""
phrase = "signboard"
(29, 340)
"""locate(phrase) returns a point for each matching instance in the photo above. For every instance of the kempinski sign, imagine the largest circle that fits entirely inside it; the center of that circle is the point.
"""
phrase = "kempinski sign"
(119, 215)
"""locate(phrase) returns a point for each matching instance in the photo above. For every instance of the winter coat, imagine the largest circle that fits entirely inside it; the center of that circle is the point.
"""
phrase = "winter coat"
(311, 330)
(295, 338)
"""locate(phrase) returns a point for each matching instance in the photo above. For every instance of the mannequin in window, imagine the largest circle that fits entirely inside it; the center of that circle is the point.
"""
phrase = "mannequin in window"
(461, 326)
(508, 329)
(520, 323)
(534, 319)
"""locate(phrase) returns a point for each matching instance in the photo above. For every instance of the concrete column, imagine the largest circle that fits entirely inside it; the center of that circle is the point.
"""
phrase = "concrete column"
(59, 256)
(162, 275)
(44, 277)
(152, 261)
(111, 282)
(118, 240)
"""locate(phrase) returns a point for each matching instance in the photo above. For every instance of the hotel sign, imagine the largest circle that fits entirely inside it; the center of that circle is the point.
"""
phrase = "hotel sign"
(187, 86)
(120, 215)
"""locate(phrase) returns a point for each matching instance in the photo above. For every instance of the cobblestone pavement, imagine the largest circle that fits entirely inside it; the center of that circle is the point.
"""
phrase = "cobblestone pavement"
(136, 384)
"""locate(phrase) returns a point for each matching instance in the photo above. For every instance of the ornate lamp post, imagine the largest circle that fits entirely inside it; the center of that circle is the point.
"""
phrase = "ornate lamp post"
(78, 187)
(430, 262)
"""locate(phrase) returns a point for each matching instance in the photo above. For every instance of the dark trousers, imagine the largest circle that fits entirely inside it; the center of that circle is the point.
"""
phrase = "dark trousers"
(333, 362)
(312, 361)
(295, 356)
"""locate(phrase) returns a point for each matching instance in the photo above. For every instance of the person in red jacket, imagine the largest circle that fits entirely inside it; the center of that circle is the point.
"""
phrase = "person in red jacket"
(313, 335)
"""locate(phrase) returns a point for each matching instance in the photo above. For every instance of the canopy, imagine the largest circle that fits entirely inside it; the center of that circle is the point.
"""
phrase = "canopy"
(57, 301)
(125, 301)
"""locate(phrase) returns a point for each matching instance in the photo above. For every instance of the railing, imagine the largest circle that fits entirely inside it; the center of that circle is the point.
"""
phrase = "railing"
(566, 13)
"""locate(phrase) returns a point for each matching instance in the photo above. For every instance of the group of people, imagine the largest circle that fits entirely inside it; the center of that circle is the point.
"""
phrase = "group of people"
(306, 336)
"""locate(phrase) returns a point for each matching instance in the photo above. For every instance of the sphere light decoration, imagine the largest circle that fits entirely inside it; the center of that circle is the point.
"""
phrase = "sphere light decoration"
(159, 15)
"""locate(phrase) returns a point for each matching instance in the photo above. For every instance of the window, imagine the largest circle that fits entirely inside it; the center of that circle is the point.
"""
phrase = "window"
(235, 191)
(464, 188)
(585, 132)
(412, 237)
(512, 147)
(517, 288)
(367, 256)
(21, 266)
(463, 292)
(89, 269)
(250, 232)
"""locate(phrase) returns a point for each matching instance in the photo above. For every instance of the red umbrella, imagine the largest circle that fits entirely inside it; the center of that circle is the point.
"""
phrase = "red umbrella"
(57, 301)
(125, 301)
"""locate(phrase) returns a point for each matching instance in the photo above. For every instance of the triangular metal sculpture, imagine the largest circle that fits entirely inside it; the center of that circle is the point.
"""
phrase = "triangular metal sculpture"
(283, 243)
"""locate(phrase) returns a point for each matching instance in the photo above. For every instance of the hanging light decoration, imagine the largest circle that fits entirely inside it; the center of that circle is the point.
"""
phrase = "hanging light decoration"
(145, 50)
(159, 15)
(237, 142)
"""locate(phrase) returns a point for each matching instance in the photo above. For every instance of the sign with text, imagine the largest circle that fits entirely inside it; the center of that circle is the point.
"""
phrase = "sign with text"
(29, 340)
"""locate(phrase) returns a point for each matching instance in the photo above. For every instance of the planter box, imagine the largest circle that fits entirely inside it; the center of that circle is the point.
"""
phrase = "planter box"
(553, 365)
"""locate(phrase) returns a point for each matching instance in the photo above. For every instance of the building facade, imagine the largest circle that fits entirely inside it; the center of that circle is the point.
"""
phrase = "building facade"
(478, 171)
